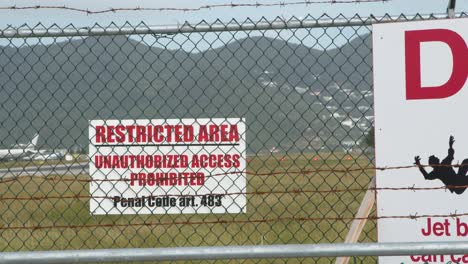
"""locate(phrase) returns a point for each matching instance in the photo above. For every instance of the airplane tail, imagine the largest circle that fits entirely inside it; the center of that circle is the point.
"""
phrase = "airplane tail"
(33, 143)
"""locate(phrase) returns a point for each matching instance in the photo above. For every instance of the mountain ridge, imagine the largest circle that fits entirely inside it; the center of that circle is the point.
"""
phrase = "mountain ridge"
(282, 89)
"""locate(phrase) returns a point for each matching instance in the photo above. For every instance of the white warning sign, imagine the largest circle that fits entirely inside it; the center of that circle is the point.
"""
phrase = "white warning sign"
(421, 134)
(167, 166)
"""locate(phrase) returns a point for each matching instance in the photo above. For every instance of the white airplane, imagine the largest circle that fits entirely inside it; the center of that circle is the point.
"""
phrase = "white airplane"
(20, 150)
(44, 155)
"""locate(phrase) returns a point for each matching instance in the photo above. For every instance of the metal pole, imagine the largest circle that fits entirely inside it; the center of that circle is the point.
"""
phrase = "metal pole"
(277, 24)
(235, 252)
(451, 8)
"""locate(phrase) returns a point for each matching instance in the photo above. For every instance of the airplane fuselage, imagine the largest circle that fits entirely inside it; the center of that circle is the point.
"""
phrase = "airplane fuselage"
(7, 154)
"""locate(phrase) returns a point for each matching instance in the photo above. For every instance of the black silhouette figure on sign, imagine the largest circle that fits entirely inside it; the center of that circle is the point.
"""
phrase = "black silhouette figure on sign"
(455, 182)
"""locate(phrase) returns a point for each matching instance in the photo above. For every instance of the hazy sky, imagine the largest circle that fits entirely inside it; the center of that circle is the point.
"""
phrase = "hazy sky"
(61, 17)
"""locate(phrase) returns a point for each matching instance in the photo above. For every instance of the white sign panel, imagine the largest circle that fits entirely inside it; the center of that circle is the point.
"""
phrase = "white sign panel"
(421, 110)
(167, 166)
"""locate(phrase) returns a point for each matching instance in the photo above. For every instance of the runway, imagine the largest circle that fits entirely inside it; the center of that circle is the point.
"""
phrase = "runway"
(45, 170)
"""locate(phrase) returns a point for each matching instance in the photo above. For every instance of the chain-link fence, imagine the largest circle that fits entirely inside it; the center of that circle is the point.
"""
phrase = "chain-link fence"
(297, 93)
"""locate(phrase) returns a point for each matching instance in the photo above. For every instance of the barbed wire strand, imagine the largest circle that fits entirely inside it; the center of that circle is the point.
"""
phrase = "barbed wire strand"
(254, 174)
(293, 191)
(249, 221)
(194, 9)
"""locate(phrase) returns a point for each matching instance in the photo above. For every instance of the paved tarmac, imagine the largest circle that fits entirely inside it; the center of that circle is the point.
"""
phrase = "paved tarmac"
(45, 170)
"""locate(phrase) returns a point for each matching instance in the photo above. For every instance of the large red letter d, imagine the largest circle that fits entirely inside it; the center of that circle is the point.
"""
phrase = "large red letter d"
(413, 40)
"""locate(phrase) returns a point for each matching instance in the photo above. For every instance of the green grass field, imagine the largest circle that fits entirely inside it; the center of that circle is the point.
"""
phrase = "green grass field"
(75, 212)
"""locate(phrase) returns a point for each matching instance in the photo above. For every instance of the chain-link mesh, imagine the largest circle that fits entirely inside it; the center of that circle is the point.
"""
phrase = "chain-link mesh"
(305, 93)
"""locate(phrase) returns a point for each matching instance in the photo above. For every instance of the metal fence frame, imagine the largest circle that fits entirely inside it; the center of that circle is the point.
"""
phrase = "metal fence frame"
(234, 25)
(236, 252)
(229, 252)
